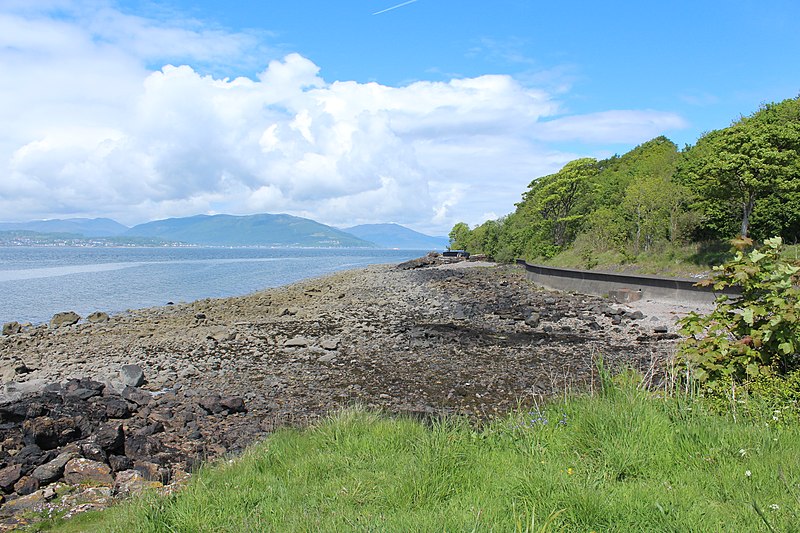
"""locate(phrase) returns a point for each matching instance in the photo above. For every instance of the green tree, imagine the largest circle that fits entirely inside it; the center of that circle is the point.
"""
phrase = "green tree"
(459, 236)
(634, 201)
(756, 157)
(553, 199)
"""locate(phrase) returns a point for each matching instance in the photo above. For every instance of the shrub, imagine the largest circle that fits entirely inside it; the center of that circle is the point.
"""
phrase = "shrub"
(757, 333)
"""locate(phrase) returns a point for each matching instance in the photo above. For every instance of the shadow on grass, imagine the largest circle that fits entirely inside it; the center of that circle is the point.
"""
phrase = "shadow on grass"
(711, 253)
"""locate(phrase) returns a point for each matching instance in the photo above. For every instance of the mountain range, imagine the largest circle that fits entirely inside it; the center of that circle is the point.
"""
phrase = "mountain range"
(230, 230)
(397, 236)
(87, 227)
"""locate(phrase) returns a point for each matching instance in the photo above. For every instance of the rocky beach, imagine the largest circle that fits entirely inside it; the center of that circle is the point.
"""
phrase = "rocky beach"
(97, 408)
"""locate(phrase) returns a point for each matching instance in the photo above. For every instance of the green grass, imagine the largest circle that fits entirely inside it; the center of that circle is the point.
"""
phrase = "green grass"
(622, 461)
(666, 260)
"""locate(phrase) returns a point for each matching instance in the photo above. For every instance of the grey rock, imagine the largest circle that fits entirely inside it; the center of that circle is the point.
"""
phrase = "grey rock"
(130, 482)
(144, 448)
(211, 404)
(14, 391)
(98, 317)
(8, 476)
(26, 485)
(660, 328)
(636, 315)
(64, 319)
(31, 455)
(222, 335)
(131, 375)
(327, 358)
(30, 502)
(52, 471)
(233, 404)
(116, 407)
(330, 344)
(93, 451)
(296, 342)
(533, 320)
(152, 471)
(625, 295)
(137, 396)
(119, 463)
(81, 470)
(12, 328)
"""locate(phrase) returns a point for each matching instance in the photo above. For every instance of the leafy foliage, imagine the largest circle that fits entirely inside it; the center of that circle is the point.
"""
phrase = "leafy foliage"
(554, 199)
(757, 333)
(743, 179)
(770, 400)
(459, 236)
(731, 169)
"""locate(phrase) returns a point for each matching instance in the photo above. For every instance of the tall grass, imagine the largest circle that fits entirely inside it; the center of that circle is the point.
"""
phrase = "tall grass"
(623, 460)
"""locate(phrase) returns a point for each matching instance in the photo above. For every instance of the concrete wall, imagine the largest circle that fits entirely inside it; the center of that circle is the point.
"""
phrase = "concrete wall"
(602, 284)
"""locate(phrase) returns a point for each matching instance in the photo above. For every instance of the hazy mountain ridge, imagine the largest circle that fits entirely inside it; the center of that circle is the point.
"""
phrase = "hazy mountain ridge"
(86, 227)
(249, 230)
(397, 236)
(218, 230)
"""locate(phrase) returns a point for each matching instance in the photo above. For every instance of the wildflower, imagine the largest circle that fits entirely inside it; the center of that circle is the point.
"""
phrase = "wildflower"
(748, 473)
(742, 452)
(538, 418)
(774, 506)
(563, 421)
(570, 471)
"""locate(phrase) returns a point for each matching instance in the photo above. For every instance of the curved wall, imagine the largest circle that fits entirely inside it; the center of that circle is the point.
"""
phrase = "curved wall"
(625, 286)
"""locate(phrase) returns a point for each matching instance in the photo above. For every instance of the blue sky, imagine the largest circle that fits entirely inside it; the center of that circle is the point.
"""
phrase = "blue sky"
(435, 112)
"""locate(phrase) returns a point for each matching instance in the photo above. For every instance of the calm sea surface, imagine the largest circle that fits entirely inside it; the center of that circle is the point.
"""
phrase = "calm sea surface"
(36, 283)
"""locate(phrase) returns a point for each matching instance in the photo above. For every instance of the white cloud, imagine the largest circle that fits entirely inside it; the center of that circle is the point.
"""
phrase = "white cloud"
(622, 126)
(92, 131)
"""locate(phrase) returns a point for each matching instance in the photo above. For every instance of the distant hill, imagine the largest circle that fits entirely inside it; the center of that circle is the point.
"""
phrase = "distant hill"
(35, 238)
(86, 227)
(397, 236)
(250, 230)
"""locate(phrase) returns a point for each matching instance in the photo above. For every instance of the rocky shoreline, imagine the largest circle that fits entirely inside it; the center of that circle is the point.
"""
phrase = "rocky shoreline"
(94, 411)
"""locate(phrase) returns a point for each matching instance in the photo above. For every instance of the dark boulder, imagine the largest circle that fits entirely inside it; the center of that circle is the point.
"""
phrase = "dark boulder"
(48, 434)
(131, 375)
(9, 476)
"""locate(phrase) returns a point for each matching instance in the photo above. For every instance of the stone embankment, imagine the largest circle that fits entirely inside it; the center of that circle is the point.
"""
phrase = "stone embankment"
(94, 410)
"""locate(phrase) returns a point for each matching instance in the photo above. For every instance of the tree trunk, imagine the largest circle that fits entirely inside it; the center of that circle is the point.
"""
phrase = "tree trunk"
(747, 210)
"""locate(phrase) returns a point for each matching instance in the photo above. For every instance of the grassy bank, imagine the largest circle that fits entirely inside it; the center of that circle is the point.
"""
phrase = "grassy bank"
(678, 261)
(621, 461)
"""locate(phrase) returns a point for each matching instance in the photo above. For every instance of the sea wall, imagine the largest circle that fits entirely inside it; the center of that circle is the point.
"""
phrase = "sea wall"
(627, 286)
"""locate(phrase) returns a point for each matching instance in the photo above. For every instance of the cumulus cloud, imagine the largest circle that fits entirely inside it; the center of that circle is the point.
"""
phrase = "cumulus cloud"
(96, 131)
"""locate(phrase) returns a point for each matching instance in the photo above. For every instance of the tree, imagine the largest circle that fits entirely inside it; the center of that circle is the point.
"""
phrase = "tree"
(756, 157)
(459, 236)
(553, 198)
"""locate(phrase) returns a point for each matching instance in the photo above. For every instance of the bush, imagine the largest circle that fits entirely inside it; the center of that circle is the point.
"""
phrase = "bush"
(757, 333)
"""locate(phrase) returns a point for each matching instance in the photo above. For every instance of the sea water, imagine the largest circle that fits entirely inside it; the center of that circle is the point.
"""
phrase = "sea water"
(37, 282)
